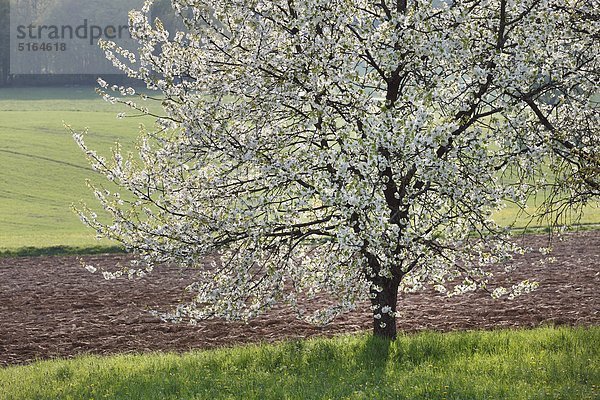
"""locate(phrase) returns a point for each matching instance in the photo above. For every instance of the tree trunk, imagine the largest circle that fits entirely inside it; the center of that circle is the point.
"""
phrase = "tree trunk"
(384, 308)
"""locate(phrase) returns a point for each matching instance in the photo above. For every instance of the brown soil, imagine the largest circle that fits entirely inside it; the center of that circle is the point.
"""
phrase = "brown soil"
(52, 307)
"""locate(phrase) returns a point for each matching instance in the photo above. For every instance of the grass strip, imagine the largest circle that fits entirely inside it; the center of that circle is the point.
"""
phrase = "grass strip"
(60, 251)
(542, 363)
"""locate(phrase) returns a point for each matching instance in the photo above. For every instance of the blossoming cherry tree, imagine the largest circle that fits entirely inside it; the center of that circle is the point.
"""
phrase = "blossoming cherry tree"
(347, 149)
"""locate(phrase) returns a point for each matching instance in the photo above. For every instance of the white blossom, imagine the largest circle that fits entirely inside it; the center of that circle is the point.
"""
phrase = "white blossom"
(347, 148)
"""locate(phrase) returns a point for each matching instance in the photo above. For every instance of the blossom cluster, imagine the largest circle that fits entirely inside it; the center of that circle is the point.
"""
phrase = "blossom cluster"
(343, 147)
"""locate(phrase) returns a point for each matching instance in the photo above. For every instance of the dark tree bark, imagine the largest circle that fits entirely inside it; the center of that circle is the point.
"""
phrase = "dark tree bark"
(384, 304)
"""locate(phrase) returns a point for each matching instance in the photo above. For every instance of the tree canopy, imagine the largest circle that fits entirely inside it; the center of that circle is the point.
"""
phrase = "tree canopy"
(348, 147)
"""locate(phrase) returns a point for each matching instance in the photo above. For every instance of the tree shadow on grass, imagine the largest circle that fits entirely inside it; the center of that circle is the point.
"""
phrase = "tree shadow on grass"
(339, 368)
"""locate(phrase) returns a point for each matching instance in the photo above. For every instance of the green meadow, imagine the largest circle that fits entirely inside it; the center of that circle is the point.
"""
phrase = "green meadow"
(543, 363)
(43, 172)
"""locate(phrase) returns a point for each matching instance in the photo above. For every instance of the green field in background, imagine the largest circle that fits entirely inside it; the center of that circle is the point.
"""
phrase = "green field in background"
(43, 172)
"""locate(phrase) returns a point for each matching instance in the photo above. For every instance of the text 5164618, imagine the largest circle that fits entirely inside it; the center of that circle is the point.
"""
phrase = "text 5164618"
(45, 46)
